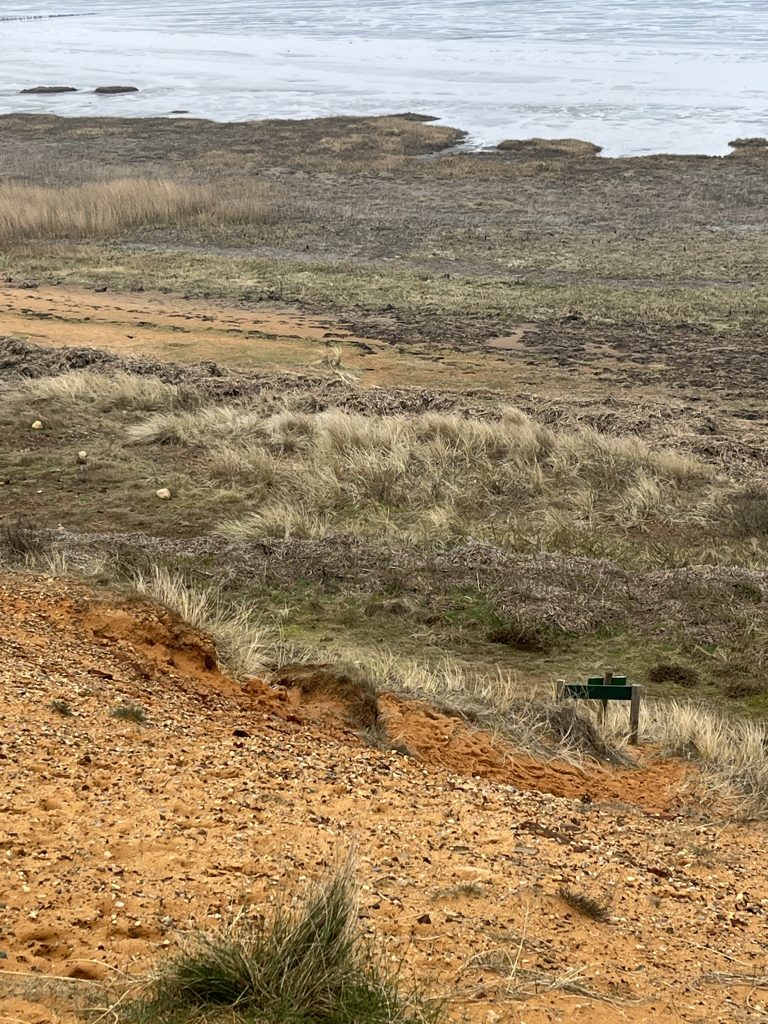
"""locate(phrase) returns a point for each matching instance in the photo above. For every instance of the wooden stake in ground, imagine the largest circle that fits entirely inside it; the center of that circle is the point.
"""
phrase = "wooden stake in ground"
(634, 716)
(607, 681)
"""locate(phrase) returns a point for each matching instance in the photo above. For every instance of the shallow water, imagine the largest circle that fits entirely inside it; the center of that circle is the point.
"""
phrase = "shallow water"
(636, 76)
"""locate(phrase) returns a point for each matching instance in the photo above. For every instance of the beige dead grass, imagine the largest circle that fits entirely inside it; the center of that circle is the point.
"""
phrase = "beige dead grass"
(514, 482)
(245, 646)
(105, 209)
(85, 390)
(732, 751)
(523, 982)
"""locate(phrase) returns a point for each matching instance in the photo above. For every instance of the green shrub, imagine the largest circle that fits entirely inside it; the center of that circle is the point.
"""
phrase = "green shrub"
(671, 672)
(516, 632)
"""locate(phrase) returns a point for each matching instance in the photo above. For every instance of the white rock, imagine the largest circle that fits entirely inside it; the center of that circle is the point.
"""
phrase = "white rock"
(37, 425)
(163, 493)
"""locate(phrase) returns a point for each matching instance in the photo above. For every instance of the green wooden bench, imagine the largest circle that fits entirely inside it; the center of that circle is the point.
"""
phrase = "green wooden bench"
(605, 688)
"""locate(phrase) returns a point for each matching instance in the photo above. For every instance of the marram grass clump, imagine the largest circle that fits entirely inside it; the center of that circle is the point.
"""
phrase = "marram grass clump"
(297, 966)
(434, 477)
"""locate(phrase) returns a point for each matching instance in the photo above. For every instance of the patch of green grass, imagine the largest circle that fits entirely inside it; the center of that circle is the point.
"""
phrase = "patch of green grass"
(305, 966)
(377, 287)
(130, 713)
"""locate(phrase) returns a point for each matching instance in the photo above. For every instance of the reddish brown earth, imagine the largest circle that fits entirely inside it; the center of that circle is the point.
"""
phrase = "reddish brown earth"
(263, 336)
(115, 838)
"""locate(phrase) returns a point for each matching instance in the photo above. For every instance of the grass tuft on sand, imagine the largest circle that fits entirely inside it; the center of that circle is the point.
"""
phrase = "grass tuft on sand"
(584, 904)
(730, 751)
(309, 965)
(129, 713)
(243, 644)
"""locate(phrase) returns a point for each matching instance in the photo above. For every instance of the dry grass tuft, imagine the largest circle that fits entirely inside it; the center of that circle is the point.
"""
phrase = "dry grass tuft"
(245, 646)
(434, 476)
(574, 729)
(526, 982)
(107, 209)
(732, 752)
(584, 904)
(19, 541)
(88, 391)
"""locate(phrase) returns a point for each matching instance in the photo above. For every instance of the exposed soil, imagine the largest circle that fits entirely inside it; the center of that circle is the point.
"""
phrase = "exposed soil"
(116, 838)
(446, 742)
(219, 346)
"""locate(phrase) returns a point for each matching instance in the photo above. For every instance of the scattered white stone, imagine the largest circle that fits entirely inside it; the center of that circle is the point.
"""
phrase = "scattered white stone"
(163, 493)
(37, 425)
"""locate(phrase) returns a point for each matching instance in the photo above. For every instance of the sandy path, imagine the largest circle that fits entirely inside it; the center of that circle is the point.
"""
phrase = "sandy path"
(172, 327)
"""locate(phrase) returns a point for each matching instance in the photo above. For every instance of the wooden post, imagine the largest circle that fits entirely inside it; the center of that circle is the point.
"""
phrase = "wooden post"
(560, 689)
(634, 716)
(607, 681)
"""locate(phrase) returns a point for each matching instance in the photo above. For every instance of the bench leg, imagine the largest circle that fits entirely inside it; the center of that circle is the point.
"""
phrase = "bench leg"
(603, 712)
(634, 716)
